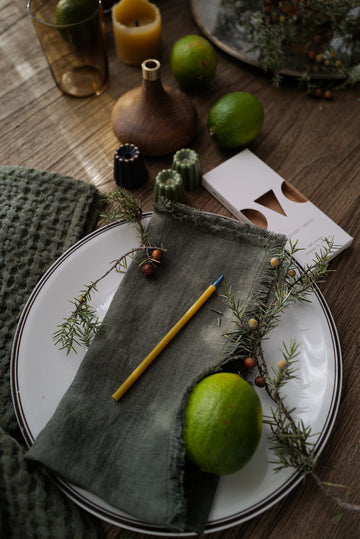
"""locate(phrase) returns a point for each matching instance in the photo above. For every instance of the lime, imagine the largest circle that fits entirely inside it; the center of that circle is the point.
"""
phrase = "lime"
(75, 11)
(223, 422)
(193, 61)
(235, 119)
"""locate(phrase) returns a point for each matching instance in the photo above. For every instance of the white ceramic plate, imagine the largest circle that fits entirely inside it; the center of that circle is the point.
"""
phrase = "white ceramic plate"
(206, 13)
(40, 375)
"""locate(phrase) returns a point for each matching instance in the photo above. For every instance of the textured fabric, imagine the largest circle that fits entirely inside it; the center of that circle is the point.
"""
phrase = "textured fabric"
(31, 506)
(41, 215)
(130, 452)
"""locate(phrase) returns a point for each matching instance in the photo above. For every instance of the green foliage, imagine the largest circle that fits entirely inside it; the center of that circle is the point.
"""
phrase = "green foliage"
(120, 206)
(291, 284)
(82, 324)
(312, 38)
(291, 440)
(80, 327)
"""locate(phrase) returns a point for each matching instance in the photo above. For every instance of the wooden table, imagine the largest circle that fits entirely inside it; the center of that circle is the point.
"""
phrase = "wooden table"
(313, 144)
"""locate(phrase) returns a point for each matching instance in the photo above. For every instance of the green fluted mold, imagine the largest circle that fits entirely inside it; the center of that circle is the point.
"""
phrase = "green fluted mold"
(186, 162)
(169, 184)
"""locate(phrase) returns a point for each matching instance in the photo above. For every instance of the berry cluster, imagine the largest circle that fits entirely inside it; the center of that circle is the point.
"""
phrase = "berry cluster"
(250, 363)
(149, 266)
(312, 44)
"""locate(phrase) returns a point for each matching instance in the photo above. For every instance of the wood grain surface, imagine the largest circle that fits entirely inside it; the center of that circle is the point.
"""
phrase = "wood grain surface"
(313, 144)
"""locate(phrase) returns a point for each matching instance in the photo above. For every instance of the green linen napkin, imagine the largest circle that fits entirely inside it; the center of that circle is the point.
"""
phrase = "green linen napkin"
(130, 453)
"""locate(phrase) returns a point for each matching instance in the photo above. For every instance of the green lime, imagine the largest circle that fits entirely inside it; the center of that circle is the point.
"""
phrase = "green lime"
(72, 11)
(235, 119)
(193, 61)
(223, 423)
(75, 11)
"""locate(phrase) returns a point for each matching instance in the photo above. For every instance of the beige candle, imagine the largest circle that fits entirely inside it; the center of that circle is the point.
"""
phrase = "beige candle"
(137, 30)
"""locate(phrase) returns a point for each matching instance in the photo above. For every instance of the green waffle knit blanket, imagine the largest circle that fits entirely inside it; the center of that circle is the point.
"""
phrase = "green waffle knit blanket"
(31, 506)
(41, 215)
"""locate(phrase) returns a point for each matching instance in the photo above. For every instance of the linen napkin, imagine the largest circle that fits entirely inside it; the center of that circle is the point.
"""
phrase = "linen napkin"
(130, 453)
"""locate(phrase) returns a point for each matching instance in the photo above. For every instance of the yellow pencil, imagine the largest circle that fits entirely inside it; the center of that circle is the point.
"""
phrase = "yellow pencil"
(165, 340)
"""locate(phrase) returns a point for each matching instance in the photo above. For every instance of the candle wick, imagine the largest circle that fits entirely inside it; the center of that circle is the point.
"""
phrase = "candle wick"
(136, 23)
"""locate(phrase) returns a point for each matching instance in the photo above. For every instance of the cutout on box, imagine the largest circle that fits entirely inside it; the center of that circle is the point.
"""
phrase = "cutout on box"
(256, 218)
(269, 200)
(291, 193)
(241, 181)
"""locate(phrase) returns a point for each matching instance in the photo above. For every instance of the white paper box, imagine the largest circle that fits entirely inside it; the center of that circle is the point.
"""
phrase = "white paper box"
(256, 194)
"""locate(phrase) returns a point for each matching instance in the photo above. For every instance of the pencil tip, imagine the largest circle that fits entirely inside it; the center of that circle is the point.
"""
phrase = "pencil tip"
(218, 281)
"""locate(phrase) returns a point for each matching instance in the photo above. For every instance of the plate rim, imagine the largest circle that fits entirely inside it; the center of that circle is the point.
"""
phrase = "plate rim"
(126, 521)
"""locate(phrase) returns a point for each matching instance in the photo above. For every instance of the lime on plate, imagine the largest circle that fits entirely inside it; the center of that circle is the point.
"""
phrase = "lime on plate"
(223, 423)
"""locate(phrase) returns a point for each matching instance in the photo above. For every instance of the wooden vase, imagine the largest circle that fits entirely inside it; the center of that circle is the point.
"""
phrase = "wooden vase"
(156, 118)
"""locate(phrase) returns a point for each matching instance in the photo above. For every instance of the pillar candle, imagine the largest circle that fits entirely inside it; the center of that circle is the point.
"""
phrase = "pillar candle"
(137, 30)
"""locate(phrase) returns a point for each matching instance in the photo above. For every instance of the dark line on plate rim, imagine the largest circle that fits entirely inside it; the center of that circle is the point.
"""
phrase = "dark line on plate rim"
(126, 521)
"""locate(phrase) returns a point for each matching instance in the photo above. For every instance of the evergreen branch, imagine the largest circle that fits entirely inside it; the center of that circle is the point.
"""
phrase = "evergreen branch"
(291, 440)
(291, 284)
(79, 328)
(120, 205)
(83, 324)
(325, 487)
(310, 38)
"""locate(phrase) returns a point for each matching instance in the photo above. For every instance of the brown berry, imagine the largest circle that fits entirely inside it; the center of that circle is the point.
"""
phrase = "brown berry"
(292, 273)
(260, 381)
(311, 55)
(249, 362)
(156, 255)
(148, 269)
(328, 94)
(274, 262)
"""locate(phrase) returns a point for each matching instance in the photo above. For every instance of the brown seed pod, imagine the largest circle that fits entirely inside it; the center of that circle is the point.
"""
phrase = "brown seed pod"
(249, 362)
(156, 255)
(148, 269)
(260, 381)
(274, 262)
